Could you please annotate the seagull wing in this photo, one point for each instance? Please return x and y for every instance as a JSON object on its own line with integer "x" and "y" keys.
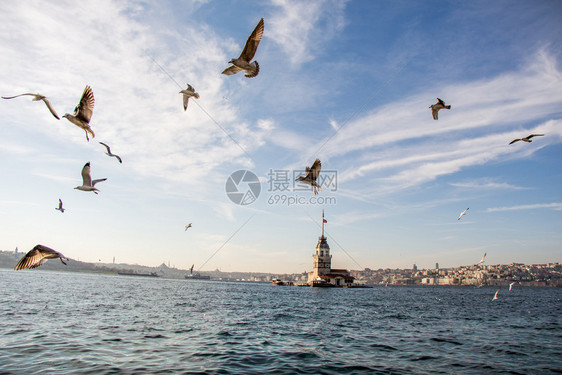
{"x": 441, "y": 102}
{"x": 185, "y": 101}
{"x": 11, "y": 97}
{"x": 85, "y": 108}
{"x": 315, "y": 169}
{"x": 515, "y": 140}
{"x": 434, "y": 112}
{"x": 232, "y": 70}
{"x": 86, "y": 178}
{"x": 118, "y": 158}
{"x": 534, "y": 135}
{"x": 51, "y": 109}
{"x": 36, "y": 257}
{"x": 106, "y": 147}
{"x": 98, "y": 180}
{"x": 253, "y": 42}
{"x": 482, "y": 260}
{"x": 60, "y": 204}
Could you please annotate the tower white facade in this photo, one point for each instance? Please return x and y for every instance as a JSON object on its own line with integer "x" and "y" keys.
{"x": 322, "y": 258}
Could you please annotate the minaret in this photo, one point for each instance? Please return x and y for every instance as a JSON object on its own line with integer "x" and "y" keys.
{"x": 322, "y": 257}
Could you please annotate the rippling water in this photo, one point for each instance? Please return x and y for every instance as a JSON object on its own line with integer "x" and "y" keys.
{"x": 60, "y": 323}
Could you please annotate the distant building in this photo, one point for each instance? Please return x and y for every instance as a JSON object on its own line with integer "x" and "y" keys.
{"x": 436, "y": 266}
{"x": 322, "y": 272}
{"x": 414, "y": 268}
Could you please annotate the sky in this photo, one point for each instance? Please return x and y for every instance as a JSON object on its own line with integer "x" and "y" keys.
{"x": 348, "y": 82}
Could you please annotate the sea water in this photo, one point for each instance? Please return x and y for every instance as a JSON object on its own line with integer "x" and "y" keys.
{"x": 64, "y": 323}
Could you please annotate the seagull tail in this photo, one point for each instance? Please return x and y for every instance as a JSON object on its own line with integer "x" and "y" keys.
{"x": 255, "y": 70}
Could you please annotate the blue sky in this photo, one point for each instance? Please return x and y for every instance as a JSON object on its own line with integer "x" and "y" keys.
{"x": 347, "y": 82}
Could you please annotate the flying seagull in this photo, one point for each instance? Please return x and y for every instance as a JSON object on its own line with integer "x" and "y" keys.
{"x": 83, "y": 112}
{"x": 482, "y": 260}
{"x": 188, "y": 226}
{"x": 527, "y": 138}
{"x": 37, "y": 256}
{"x": 438, "y": 106}
{"x": 37, "y": 97}
{"x": 110, "y": 154}
{"x": 462, "y": 214}
{"x": 60, "y": 208}
{"x": 311, "y": 175}
{"x": 188, "y": 93}
{"x": 511, "y": 285}
{"x": 252, "y": 69}
{"x": 496, "y": 295}
{"x": 87, "y": 183}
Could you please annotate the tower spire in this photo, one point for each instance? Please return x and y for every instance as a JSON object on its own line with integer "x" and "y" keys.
{"x": 323, "y": 222}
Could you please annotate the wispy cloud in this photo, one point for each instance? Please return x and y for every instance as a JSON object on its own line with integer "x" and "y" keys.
{"x": 554, "y": 206}
{"x": 402, "y": 146}
{"x": 487, "y": 184}
{"x": 139, "y": 110}
{"x": 301, "y": 27}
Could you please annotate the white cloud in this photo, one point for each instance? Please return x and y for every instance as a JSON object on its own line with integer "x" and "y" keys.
{"x": 402, "y": 146}
{"x": 138, "y": 110}
{"x": 487, "y": 184}
{"x": 301, "y": 27}
{"x": 554, "y": 206}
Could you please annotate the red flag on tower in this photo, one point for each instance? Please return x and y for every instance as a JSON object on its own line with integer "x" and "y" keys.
{"x": 324, "y": 220}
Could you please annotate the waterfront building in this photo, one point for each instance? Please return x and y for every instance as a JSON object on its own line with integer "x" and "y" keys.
{"x": 322, "y": 272}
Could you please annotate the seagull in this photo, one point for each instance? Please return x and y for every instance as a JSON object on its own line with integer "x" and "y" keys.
{"x": 37, "y": 256}
{"x": 37, "y": 97}
{"x": 437, "y": 106}
{"x": 188, "y": 93}
{"x": 311, "y": 175}
{"x": 462, "y": 214}
{"x": 60, "y": 208}
{"x": 87, "y": 183}
{"x": 188, "y": 226}
{"x": 527, "y": 138}
{"x": 511, "y": 285}
{"x": 482, "y": 260}
{"x": 496, "y": 295}
{"x": 83, "y": 112}
{"x": 252, "y": 69}
{"x": 110, "y": 154}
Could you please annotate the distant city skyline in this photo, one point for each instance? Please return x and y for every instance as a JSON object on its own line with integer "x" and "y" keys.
{"x": 349, "y": 83}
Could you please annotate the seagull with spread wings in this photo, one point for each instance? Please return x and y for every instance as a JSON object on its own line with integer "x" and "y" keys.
{"x": 462, "y": 214}
{"x": 110, "y": 154}
{"x": 188, "y": 226}
{"x": 435, "y": 108}
{"x": 526, "y": 139}
{"x": 511, "y": 285}
{"x": 189, "y": 92}
{"x": 60, "y": 208}
{"x": 37, "y": 97}
{"x": 496, "y": 295}
{"x": 243, "y": 62}
{"x": 87, "y": 183}
{"x": 83, "y": 112}
{"x": 482, "y": 260}
{"x": 37, "y": 256}
{"x": 311, "y": 175}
